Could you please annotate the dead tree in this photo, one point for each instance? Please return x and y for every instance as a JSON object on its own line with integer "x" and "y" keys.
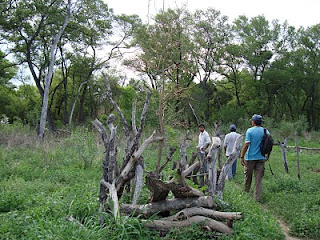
{"x": 194, "y": 206}
{"x": 212, "y": 159}
{"x": 224, "y": 172}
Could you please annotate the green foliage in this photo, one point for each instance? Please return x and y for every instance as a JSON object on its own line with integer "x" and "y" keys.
{"x": 125, "y": 102}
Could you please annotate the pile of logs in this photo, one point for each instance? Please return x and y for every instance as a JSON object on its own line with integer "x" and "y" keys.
{"x": 189, "y": 205}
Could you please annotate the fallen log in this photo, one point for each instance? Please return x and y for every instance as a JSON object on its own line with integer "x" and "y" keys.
{"x": 165, "y": 225}
{"x": 150, "y": 209}
{"x": 190, "y": 212}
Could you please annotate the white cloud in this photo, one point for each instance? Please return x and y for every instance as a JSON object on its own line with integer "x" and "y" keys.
{"x": 297, "y": 13}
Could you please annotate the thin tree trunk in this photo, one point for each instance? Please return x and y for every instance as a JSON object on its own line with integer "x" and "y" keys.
{"x": 49, "y": 75}
{"x": 74, "y": 103}
{"x": 82, "y": 99}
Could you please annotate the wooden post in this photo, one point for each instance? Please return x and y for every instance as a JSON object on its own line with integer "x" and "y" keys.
{"x": 202, "y": 164}
{"x": 283, "y": 146}
{"x": 212, "y": 159}
{"x": 226, "y": 167}
{"x": 298, "y": 155}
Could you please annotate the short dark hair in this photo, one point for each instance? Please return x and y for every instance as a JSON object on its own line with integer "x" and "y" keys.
{"x": 258, "y": 122}
{"x": 201, "y": 125}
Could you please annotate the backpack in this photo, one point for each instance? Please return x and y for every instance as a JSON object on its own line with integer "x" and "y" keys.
{"x": 266, "y": 144}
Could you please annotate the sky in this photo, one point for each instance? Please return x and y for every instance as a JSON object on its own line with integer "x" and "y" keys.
{"x": 296, "y": 12}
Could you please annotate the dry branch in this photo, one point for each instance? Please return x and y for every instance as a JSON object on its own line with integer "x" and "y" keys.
{"x": 135, "y": 156}
{"x": 134, "y": 144}
{"x": 190, "y": 212}
{"x": 114, "y": 196}
{"x": 199, "y": 220}
{"x": 169, "y": 157}
{"x": 101, "y": 129}
{"x": 150, "y": 209}
{"x": 115, "y": 105}
{"x": 133, "y": 116}
{"x": 189, "y": 170}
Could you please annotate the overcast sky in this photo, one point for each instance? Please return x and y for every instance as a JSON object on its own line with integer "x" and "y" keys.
{"x": 296, "y": 12}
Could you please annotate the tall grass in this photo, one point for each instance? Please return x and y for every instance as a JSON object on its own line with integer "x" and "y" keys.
{"x": 40, "y": 185}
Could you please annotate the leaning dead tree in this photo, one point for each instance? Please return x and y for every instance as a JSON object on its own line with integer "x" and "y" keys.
{"x": 188, "y": 205}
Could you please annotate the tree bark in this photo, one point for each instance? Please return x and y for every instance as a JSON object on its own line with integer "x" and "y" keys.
{"x": 166, "y": 205}
{"x": 233, "y": 157}
{"x": 49, "y": 75}
{"x": 199, "y": 220}
{"x": 139, "y": 184}
{"x": 190, "y": 212}
{"x": 212, "y": 159}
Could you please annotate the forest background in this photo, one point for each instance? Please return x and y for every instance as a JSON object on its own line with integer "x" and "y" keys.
{"x": 225, "y": 71}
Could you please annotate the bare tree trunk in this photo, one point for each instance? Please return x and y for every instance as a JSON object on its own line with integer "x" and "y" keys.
{"x": 194, "y": 211}
{"x": 224, "y": 172}
{"x": 139, "y": 183}
{"x": 212, "y": 159}
{"x": 74, "y": 103}
{"x": 166, "y": 205}
{"x": 199, "y": 220}
{"x": 49, "y": 75}
{"x": 82, "y": 99}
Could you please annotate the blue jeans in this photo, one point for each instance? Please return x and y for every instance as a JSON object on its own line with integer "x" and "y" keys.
{"x": 233, "y": 169}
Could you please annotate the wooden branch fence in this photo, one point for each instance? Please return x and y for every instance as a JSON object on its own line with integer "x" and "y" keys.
{"x": 283, "y": 145}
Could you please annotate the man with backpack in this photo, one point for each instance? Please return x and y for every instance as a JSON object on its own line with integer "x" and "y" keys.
{"x": 251, "y": 157}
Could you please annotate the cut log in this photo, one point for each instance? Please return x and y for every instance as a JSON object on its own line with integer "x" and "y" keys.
{"x": 190, "y": 212}
{"x": 150, "y": 209}
{"x": 165, "y": 225}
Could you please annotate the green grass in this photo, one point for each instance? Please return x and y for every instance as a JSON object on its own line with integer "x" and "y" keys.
{"x": 296, "y": 202}
{"x": 40, "y": 185}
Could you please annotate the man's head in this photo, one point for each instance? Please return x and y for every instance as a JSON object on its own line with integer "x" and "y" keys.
{"x": 201, "y": 127}
{"x": 257, "y": 119}
{"x": 232, "y": 128}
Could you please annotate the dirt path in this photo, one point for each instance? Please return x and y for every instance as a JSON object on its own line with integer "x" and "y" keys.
{"x": 286, "y": 230}
{"x": 284, "y": 227}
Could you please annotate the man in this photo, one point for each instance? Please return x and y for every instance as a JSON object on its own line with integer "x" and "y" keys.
{"x": 204, "y": 139}
{"x": 203, "y": 144}
{"x": 229, "y": 141}
{"x": 251, "y": 157}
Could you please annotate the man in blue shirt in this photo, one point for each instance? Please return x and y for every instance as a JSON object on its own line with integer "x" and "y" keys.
{"x": 251, "y": 157}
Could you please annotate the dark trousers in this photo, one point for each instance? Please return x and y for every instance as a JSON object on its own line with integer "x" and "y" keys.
{"x": 256, "y": 167}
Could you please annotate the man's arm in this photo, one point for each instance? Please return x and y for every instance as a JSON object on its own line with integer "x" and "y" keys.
{"x": 243, "y": 152}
